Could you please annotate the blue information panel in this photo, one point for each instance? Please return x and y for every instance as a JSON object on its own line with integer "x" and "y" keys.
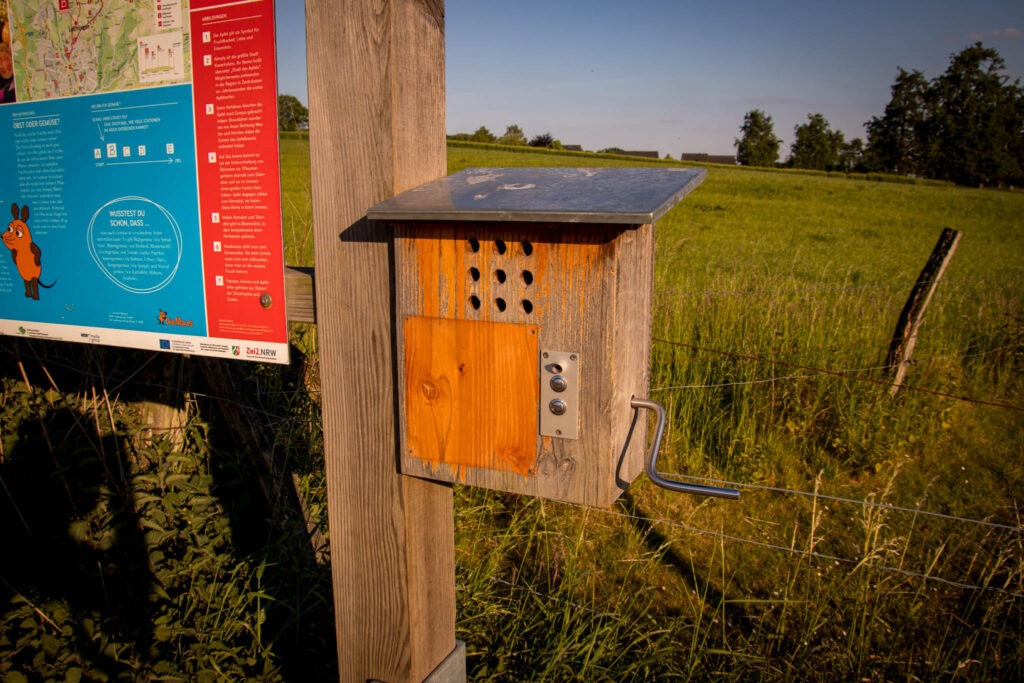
{"x": 107, "y": 189}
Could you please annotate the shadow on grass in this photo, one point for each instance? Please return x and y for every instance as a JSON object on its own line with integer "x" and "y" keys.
{"x": 127, "y": 557}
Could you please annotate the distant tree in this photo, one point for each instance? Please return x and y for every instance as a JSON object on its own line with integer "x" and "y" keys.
{"x": 896, "y": 140}
{"x": 555, "y": 144}
{"x": 758, "y": 146}
{"x": 483, "y": 135}
{"x": 291, "y": 114}
{"x": 976, "y": 121}
{"x": 611, "y": 150}
{"x": 815, "y": 145}
{"x": 542, "y": 140}
{"x": 851, "y": 156}
{"x": 668, "y": 157}
{"x": 967, "y": 125}
{"x": 513, "y": 136}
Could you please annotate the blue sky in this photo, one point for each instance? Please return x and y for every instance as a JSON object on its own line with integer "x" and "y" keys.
{"x": 678, "y": 76}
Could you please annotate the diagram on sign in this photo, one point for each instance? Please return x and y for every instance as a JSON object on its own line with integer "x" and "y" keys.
{"x": 161, "y": 57}
{"x": 135, "y": 134}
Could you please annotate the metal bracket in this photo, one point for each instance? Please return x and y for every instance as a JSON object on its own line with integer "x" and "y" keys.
{"x": 652, "y": 460}
{"x": 560, "y": 394}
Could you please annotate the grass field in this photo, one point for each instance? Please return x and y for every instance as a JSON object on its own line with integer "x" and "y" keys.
{"x": 809, "y": 270}
{"x": 803, "y": 271}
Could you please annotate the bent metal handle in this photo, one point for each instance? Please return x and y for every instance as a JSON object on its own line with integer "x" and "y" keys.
{"x": 652, "y": 459}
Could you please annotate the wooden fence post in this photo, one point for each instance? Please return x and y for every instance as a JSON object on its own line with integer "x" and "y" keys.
{"x": 376, "y": 102}
{"x": 904, "y": 338}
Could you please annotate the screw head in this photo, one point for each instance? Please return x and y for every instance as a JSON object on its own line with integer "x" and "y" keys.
{"x": 265, "y": 300}
{"x": 559, "y": 383}
{"x": 557, "y": 406}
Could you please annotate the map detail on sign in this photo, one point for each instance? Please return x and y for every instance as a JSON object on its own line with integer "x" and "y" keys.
{"x": 84, "y": 47}
{"x": 142, "y": 176}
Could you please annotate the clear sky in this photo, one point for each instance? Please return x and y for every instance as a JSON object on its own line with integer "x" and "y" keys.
{"x": 678, "y": 76}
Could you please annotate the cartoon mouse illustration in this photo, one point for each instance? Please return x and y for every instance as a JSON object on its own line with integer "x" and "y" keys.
{"x": 28, "y": 257}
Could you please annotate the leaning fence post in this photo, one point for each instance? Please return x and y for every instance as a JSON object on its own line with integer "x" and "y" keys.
{"x": 904, "y": 338}
{"x": 376, "y": 102}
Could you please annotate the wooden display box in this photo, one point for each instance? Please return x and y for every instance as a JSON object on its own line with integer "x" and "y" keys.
{"x": 516, "y": 289}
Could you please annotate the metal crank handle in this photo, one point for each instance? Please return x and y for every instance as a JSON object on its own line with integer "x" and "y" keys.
{"x": 652, "y": 460}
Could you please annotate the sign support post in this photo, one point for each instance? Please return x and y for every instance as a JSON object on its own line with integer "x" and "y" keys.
{"x": 376, "y": 100}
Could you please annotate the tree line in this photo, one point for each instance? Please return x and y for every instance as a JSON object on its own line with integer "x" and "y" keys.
{"x": 513, "y": 136}
{"x": 966, "y": 125}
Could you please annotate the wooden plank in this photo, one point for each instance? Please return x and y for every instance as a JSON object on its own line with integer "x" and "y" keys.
{"x": 631, "y": 354}
{"x": 904, "y": 337}
{"x": 471, "y": 391}
{"x": 299, "y": 294}
{"x": 376, "y": 100}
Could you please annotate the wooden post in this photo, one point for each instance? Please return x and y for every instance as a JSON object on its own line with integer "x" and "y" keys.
{"x": 904, "y": 338}
{"x": 376, "y": 102}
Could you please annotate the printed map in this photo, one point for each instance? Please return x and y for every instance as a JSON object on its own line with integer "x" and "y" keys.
{"x": 82, "y": 47}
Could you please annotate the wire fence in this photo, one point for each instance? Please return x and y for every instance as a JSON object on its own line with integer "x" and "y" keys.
{"x": 757, "y": 356}
{"x": 766, "y": 380}
{"x": 864, "y": 343}
{"x": 856, "y": 563}
{"x": 841, "y": 499}
{"x": 842, "y": 373}
{"x": 833, "y": 288}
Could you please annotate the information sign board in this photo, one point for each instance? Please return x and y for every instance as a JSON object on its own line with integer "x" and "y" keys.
{"x": 139, "y": 159}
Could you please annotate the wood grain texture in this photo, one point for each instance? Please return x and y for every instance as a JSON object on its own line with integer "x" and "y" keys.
{"x": 587, "y": 290}
{"x": 471, "y": 394}
{"x": 376, "y": 102}
{"x": 904, "y": 337}
{"x": 631, "y": 354}
{"x": 299, "y": 294}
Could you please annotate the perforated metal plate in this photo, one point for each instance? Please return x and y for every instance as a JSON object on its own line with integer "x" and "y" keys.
{"x": 560, "y": 394}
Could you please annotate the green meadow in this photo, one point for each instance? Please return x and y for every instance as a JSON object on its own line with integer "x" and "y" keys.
{"x": 876, "y": 538}
{"x": 809, "y": 271}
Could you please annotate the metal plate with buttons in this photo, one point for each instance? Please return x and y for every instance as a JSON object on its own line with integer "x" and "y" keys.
{"x": 560, "y": 394}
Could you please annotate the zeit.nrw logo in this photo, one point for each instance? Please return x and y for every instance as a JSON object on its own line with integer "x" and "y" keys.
{"x": 165, "y": 319}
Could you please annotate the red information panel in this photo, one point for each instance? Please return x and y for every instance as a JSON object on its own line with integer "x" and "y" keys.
{"x": 234, "y": 95}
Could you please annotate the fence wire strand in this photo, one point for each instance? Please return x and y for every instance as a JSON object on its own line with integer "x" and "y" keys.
{"x": 830, "y": 288}
{"x": 863, "y": 562}
{"x": 839, "y": 373}
{"x": 766, "y": 380}
{"x": 852, "y": 501}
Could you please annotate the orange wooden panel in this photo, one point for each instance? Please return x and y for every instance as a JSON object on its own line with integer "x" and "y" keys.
{"x": 471, "y": 392}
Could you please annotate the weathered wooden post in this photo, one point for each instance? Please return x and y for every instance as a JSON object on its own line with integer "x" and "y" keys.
{"x": 376, "y": 96}
{"x": 904, "y": 337}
